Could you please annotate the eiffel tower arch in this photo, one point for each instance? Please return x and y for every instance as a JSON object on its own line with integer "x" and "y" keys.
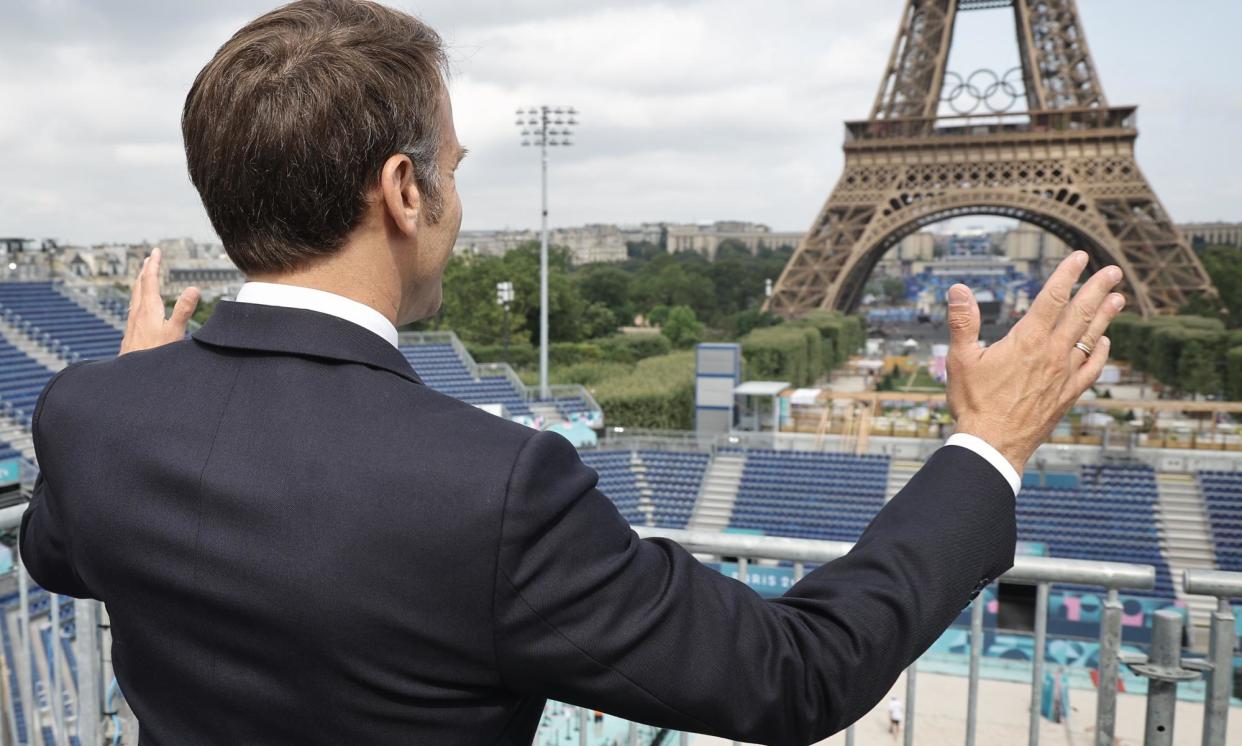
{"x": 1039, "y": 144}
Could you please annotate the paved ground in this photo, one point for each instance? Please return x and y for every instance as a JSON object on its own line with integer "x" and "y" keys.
{"x": 940, "y": 718}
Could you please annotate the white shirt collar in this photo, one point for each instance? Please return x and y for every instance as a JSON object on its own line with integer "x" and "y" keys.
{"x": 311, "y": 299}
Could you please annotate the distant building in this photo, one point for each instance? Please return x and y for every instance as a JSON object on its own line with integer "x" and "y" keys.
{"x": 706, "y": 239}
{"x": 591, "y": 244}
{"x": 1204, "y": 234}
{"x": 972, "y": 242}
{"x": 916, "y": 247}
{"x": 26, "y": 259}
{"x": 1035, "y": 251}
{"x": 587, "y": 244}
{"x": 652, "y": 233}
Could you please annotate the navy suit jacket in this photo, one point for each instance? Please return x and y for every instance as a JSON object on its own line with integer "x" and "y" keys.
{"x": 300, "y": 543}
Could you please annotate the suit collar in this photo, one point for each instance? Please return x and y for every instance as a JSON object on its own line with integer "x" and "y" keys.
{"x": 296, "y": 331}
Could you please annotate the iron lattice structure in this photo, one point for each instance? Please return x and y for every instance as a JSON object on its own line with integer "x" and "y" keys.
{"x": 1066, "y": 163}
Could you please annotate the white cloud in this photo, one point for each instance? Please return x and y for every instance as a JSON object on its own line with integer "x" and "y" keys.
{"x": 694, "y": 109}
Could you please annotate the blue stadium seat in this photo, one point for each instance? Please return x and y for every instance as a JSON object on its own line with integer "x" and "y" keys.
{"x": 444, "y": 370}
{"x": 810, "y": 495}
{"x": 40, "y": 311}
{"x": 1222, "y": 496}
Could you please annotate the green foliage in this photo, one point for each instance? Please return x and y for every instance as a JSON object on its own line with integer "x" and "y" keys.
{"x": 1233, "y": 374}
{"x": 571, "y": 353}
{"x": 520, "y": 356}
{"x": 1198, "y": 371}
{"x": 682, "y": 327}
{"x": 630, "y": 348}
{"x": 470, "y": 307}
{"x": 1224, "y": 266}
{"x": 1124, "y": 333}
{"x": 791, "y": 352}
{"x": 1186, "y": 353}
{"x": 843, "y": 335}
{"x": 744, "y": 321}
{"x": 608, "y": 286}
{"x": 618, "y": 348}
{"x": 657, "y": 393}
{"x": 589, "y": 374}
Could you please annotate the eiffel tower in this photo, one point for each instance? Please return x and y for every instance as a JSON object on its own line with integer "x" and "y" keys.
{"x": 1040, "y": 144}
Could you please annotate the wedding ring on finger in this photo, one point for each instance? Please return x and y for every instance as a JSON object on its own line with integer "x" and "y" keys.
{"x": 1084, "y": 347}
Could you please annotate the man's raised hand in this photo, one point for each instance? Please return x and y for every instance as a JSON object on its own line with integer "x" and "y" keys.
{"x": 146, "y": 326}
{"x": 1013, "y": 393}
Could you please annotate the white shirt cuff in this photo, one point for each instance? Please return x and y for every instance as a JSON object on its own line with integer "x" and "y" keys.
{"x": 991, "y": 455}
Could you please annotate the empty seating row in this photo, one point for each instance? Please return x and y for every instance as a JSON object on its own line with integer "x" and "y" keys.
{"x": 1222, "y": 497}
{"x": 1110, "y": 517}
{"x": 22, "y": 378}
{"x": 441, "y": 368}
{"x": 810, "y": 495}
{"x": 40, "y": 311}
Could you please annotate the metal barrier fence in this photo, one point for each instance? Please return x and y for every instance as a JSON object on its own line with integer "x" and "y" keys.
{"x": 1042, "y": 572}
{"x": 93, "y": 669}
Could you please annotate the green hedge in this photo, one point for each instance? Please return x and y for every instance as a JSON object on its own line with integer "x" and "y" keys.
{"x": 1233, "y": 374}
{"x": 620, "y": 348}
{"x": 791, "y": 352}
{"x": 630, "y": 348}
{"x": 520, "y": 356}
{"x": 658, "y": 393}
{"x": 1187, "y": 353}
{"x": 801, "y": 351}
{"x": 843, "y": 335}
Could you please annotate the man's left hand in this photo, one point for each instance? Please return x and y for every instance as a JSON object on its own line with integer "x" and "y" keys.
{"x": 146, "y": 326}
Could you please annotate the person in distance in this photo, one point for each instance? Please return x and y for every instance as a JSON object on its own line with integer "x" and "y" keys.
{"x": 299, "y": 542}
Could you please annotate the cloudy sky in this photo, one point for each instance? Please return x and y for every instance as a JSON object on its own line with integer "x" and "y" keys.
{"x": 690, "y": 111}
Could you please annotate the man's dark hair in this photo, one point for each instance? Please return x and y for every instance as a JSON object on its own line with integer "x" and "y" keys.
{"x": 288, "y": 126}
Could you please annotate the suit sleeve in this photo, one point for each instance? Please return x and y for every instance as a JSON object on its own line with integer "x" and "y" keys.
{"x": 46, "y": 536}
{"x": 587, "y": 613}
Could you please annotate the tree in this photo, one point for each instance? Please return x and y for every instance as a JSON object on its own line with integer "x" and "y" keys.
{"x": 658, "y": 316}
{"x": 470, "y": 307}
{"x": 609, "y": 287}
{"x": 1197, "y": 370}
{"x": 731, "y": 247}
{"x": 680, "y": 280}
{"x": 752, "y": 318}
{"x": 682, "y": 327}
{"x": 643, "y": 250}
{"x": 894, "y": 289}
{"x": 1224, "y": 266}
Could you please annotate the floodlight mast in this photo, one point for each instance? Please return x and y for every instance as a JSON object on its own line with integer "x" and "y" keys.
{"x": 545, "y": 125}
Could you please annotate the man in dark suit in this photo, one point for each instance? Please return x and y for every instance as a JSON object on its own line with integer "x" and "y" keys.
{"x": 299, "y": 542}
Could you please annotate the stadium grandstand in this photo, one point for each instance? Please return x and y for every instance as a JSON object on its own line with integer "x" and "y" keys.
{"x": 1111, "y": 541}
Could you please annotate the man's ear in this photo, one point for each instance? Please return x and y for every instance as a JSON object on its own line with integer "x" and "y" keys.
{"x": 399, "y": 190}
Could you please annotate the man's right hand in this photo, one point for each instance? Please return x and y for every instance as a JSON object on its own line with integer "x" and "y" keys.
{"x": 1013, "y": 393}
{"x": 145, "y": 325}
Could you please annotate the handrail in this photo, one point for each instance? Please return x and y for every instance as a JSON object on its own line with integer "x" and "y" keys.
{"x": 1026, "y": 569}
{"x": 1212, "y": 583}
{"x": 1223, "y": 639}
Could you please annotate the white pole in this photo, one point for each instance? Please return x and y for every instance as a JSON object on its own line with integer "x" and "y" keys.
{"x": 543, "y": 263}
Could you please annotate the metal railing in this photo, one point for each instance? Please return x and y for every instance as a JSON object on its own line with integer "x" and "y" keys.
{"x": 1223, "y": 641}
{"x": 1042, "y": 572}
{"x": 1053, "y": 121}
{"x": 93, "y": 669}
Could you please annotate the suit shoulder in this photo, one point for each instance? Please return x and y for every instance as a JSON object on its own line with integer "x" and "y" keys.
{"x": 98, "y": 382}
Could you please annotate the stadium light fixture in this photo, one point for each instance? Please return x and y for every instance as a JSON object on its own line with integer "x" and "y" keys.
{"x": 543, "y": 126}
{"x": 504, "y": 297}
